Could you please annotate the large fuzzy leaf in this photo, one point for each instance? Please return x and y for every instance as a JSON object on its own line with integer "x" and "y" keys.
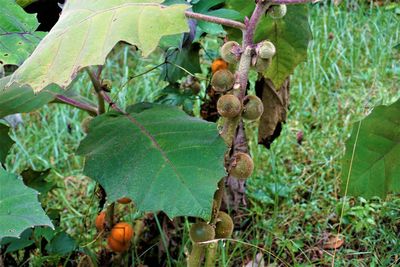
{"x": 19, "y": 206}
{"x": 18, "y": 38}
{"x": 371, "y": 165}
{"x": 5, "y": 142}
{"x": 158, "y": 156}
{"x": 88, "y": 30}
{"x": 290, "y": 35}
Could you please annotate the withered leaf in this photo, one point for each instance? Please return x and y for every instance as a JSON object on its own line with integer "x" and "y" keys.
{"x": 276, "y": 103}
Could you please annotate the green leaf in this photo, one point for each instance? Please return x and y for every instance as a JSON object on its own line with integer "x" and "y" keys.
{"x": 158, "y": 156}
{"x": 290, "y": 35}
{"x": 19, "y": 99}
{"x": 18, "y": 38}
{"x": 19, "y": 207}
{"x": 37, "y": 180}
{"x": 61, "y": 244}
{"x": 186, "y": 58}
{"x": 25, "y": 3}
{"x": 374, "y": 169}
{"x": 5, "y": 142}
{"x": 88, "y": 30}
{"x": 14, "y": 244}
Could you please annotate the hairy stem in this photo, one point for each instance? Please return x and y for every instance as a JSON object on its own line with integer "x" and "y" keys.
{"x": 194, "y": 259}
{"x": 92, "y": 110}
{"x": 211, "y": 254}
{"x": 217, "y": 20}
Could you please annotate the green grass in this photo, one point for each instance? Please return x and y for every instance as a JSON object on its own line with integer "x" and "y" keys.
{"x": 294, "y": 194}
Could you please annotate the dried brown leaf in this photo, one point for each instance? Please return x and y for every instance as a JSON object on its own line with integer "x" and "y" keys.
{"x": 276, "y": 103}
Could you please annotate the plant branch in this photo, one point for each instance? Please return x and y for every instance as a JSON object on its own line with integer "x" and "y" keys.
{"x": 288, "y": 2}
{"x": 217, "y": 20}
{"x": 75, "y": 103}
{"x": 98, "y": 88}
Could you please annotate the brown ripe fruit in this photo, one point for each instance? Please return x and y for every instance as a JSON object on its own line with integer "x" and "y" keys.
{"x": 116, "y": 246}
{"x": 100, "y": 219}
{"x": 253, "y": 107}
{"x": 224, "y": 225}
{"x": 229, "y": 106}
{"x": 242, "y": 166}
{"x": 218, "y": 64}
{"x": 124, "y": 200}
{"x": 201, "y": 232}
{"x": 222, "y": 80}
{"x": 227, "y": 54}
{"x": 122, "y": 232}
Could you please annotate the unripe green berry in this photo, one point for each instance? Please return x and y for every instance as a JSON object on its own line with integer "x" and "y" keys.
{"x": 201, "y": 232}
{"x": 229, "y": 106}
{"x": 223, "y": 80}
{"x": 262, "y": 64}
{"x": 277, "y": 11}
{"x": 227, "y": 54}
{"x": 85, "y": 124}
{"x": 266, "y": 50}
{"x": 242, "y": 166}
{"x": 253, "y": 107}
{"x": 224, "y": 225}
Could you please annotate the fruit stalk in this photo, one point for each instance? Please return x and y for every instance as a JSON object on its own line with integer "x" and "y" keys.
{"x": 194, "y": 259}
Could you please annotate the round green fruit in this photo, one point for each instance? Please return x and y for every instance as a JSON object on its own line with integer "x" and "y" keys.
{"x": 227, "y": 52}
{"x": 223, "y": 80}
{"x": 229, "y": 106}
{"x": 201, "y": 232}
{"x": 224, "y": 225}
{"x": 266, "y": 50}
{"x": 253, "y": 107}
{"x": 242, "y": 166}
{"x": 277, "y": 11}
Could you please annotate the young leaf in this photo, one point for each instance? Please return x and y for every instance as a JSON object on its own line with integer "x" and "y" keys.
{"x": 157, "y": 156}
{"x": 18, "y": 38}
{"x": 88, "y": 30}
{"x": 19, "y": 207}
{"x": 5, "y": 142}
{"x": 371, "y": 164}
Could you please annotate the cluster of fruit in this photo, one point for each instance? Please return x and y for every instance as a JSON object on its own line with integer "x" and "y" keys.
{"x": 120, "y": 236}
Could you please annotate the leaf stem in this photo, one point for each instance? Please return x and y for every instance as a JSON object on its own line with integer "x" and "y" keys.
{"x": 217, "y": 20}
{"x": 92, "y": 110}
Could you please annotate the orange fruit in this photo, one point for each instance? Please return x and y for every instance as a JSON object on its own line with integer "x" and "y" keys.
{"x": 100, "y": 219}
{"x": 124, "y": 200}
{"x": 122, "y": 232}
{"x": 116, "y": 246}
{"x": 218, "y": 64}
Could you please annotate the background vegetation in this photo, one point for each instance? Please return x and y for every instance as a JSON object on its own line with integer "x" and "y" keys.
{"x": 294, "y": 207}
